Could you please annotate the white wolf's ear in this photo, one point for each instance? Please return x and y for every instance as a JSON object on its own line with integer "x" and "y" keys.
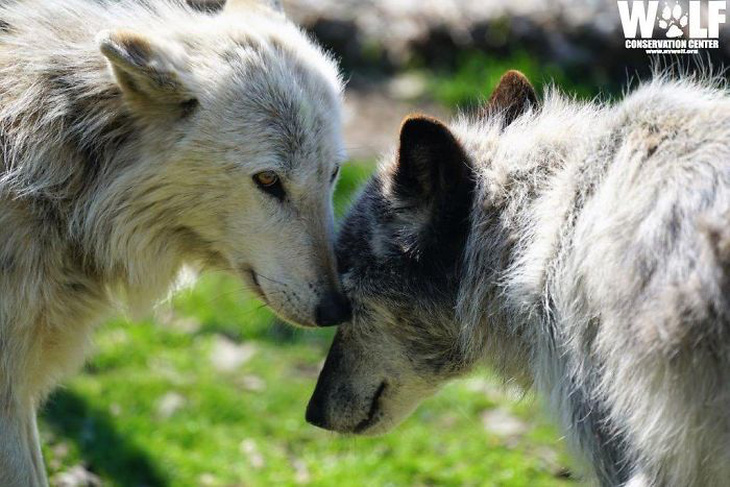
{"x": 150, "y": 73}
{"x": 431, "y": 162}
{"x": 513, "y": 96}
{"x": 275, "y": 5}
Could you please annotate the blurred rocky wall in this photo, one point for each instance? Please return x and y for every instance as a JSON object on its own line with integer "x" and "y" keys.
{"x": 387, "y": 35}
{"x": 384, "y": 36}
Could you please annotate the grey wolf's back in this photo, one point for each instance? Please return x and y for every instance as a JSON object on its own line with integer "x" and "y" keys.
{"x": 643, "y": 251}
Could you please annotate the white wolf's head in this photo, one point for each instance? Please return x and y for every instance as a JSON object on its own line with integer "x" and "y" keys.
{"x": 242, "y": 146}
{"x": 401, "y": 255}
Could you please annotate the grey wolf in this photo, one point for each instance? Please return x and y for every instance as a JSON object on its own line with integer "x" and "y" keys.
{"x": 579, "y": 248}
{"x": 138, "y": 138}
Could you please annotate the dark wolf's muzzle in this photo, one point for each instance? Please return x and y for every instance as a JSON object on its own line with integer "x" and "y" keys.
{"x": 347, "y": 397}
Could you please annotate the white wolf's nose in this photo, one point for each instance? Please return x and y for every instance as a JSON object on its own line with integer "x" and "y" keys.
{"x": 334, "y": 309}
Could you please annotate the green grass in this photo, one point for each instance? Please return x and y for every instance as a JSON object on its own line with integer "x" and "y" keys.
{"x": 476, "y": 74}
{"x": 152, "y": 409}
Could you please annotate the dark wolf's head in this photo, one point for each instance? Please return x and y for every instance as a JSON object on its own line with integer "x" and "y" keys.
{"x": 400, "y": 254}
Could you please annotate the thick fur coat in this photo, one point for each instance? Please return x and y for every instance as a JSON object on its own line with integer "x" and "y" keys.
{"x": 136, "y": 138}
{"x": 580, "y": 248}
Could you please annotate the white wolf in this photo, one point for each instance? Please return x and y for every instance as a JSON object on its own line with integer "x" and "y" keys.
{"x": 137, "y": 137}
{"x": 581, "y": 248}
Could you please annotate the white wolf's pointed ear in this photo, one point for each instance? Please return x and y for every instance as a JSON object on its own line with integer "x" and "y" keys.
{"x": 513, "y": 96}
{"x": 431, "y": 162}
{"x": 233, "y": 5}
{"x": 150, "y": 73}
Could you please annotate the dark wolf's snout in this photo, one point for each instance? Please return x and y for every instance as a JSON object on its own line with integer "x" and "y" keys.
{"x": 316, "y": 413}
{"x": 319, "y": 404}
{"x": 334, "y": 309}
{"x": 331, "y": 392}
{"x": 348, "y": 392}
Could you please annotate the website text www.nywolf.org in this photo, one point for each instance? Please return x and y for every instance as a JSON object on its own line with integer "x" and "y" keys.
{"x": 672, "y": 46}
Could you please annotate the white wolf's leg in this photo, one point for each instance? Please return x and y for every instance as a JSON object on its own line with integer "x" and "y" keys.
{"x": 21, "y": 461}
{"x": 35, "y": 445}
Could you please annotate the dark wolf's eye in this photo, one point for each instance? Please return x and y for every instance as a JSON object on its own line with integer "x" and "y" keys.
{"x": 334, "y": 174}
{"x": 269, "y": 182}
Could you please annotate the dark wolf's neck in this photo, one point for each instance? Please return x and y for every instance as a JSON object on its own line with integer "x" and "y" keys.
{"x": 516, "y": 226}
{"x": 522, "y": 234}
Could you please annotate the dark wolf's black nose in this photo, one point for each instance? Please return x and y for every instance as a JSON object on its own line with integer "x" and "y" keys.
{"x": 315, "y": 413}
{"x": 334, "y": 309}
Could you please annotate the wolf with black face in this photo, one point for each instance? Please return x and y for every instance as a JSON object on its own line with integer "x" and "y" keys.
{"x": 400, "y": 255}
{"x": 580, "y": 248}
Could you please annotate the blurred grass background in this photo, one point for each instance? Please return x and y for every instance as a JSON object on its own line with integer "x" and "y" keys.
{"x": 212, "y": 390}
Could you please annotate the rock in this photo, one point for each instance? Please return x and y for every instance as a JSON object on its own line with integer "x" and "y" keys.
{"x": 115, "y": 409}
{"x": 227, "y": 355}
{"x": 77, "y": 476}
{"x": 253, "y": 383}
{"x": 301, "y": 472}
{"x": 253, "y": 455}
{"x": 207, "y": 480}
{"x": 503, "y": 424}
{"x": 183, "y": 324}
{"x": 169, "y": 404}
{"x": 409, "y": 86}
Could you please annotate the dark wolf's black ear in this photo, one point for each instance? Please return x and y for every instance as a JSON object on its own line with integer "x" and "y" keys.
{"x": 431, "y": 162}
{"x": 434, "y": 179}
{"x": 513, "y": 96}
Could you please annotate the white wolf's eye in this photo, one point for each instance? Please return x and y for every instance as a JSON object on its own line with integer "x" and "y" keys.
{"x": 334, "y": 174}
{"x": 269, "y": 182}
{"x": 266, "y": 178}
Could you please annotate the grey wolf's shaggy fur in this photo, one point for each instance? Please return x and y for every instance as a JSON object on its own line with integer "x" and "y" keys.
{"x": 591, "y": 263}
{"x": 131, "y": 134}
